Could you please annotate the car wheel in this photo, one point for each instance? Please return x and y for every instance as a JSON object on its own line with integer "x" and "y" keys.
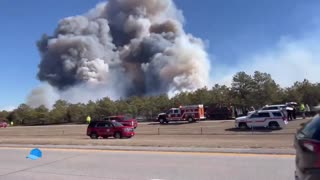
{"x": 94, "y": 136}
{"x": 274, "y": 125}
{"x": 162, "y": 121}
{"x": 243, "y": 126}
{"x": 117, "y": 135}
{"x": 190, "y": 120}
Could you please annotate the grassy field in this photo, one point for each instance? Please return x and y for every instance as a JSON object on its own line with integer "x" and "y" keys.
{"x": 217, "y": 134}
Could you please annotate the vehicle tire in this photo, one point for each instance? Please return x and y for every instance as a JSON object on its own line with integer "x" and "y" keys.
{"x": 117, "y": 135}
{"x": 162, "y": 121}
{"x": 243, "y": 126}
{"x": 190, "y": 120}
{"x": 93, "y": 136}
{"x": 274, "y": 125}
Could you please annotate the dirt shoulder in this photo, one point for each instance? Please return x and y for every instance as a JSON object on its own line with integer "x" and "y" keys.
{"x": 208, "y": 141}
{"x": 204, "y": 134}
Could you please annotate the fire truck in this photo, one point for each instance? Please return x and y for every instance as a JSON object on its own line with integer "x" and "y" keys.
{"x": 189, "y": 113}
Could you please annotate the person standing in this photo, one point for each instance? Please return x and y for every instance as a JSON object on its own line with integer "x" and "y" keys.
{"x": 294, "y": 112}
{"x": 308, "y": 110}
{"x": 88, "y": 119}
{"x": 303, "y": 110}
{"x": 289, "y": 112}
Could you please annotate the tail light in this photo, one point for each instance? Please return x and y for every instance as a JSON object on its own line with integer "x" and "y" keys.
{"x": 315, "y": 148}
{"x": 312, "y": 146}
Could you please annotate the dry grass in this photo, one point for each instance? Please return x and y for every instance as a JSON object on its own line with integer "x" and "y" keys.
{"x": 214, "y": 134}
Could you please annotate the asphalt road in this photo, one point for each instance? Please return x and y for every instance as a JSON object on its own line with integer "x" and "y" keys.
{"x": 65, "y": 164}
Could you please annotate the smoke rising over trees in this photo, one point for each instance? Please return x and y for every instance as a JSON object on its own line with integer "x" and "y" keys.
{"x": 123, "y": 48}
{"x": 247, "y": 90}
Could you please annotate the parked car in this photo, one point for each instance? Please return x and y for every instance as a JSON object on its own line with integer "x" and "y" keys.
{"x": 280, "y": 107}
{"x": 107, "y": 129}
{"x": 273, "y": 119}
{"x": 307, "y": 145}
{"x": 3, "y": 124}
{"x": 124, "y": 120}
{"x": 274, "y": 107}
{"x": 215, "y": 112}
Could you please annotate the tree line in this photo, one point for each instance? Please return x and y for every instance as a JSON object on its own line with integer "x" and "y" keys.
{"x": 246, "y": 90}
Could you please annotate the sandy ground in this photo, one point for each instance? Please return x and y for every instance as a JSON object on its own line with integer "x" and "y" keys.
{"x": 215, "y": 134}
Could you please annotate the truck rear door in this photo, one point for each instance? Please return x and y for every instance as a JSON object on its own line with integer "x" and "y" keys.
{"x": 201, "y": 113}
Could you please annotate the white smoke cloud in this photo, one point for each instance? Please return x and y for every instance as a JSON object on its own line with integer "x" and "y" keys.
{"x": 43, "y": 95}
{"x": 290, "y": 60}
{"x": 7, "y": 108}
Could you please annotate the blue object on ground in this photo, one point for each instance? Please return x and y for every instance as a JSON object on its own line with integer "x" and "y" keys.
{"x": 35, "y": 154}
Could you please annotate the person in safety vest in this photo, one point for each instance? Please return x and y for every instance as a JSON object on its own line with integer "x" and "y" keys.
{"x": 88, "y": 119}
{"x": 303, "y": 110}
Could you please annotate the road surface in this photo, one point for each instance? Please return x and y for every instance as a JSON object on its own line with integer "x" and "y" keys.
{"x": 66, "y": 164}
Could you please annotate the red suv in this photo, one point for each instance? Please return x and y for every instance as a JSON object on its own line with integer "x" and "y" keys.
{"x": 124, "y": 120}
{"x": 3, "y": 124}
{"x": 107, "y": 129}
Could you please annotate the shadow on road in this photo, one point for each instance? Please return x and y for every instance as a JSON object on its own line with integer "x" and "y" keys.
{"x": 172, "y": 123}
{"x": 257, "y": 129}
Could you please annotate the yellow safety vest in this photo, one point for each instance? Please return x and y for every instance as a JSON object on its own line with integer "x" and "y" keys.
{"x": 88, "y": 119}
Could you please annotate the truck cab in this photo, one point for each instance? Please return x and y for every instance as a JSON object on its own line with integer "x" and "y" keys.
{"x": 174, "y": 113}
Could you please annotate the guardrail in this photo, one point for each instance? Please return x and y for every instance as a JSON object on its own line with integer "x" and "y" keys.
{"x": 154, "y": 131}
{"x": 215, "y": 131}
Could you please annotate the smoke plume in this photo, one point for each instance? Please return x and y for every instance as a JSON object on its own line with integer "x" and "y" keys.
{"x": 123, "y": 48}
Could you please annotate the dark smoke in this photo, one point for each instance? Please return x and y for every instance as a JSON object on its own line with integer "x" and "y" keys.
{"x": 131, "y": 47}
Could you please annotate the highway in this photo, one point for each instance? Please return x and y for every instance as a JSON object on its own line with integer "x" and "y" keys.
{"x": 68, "y": 164}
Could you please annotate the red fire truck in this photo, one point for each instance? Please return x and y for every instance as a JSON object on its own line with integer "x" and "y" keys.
{"x": 190, "y": 113}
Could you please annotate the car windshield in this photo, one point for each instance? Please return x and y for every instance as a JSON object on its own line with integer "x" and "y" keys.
{"x": 126, "y": 118}
{"x": 117, "y": 124}
{"x": 120, "y": 118}
{"x": 311, "y": 128}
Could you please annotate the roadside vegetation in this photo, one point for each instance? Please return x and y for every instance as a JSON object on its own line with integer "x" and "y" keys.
{"x": 245, "y": 91}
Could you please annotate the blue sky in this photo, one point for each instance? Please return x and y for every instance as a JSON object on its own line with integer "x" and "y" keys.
{"x": 237, "y": 34}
